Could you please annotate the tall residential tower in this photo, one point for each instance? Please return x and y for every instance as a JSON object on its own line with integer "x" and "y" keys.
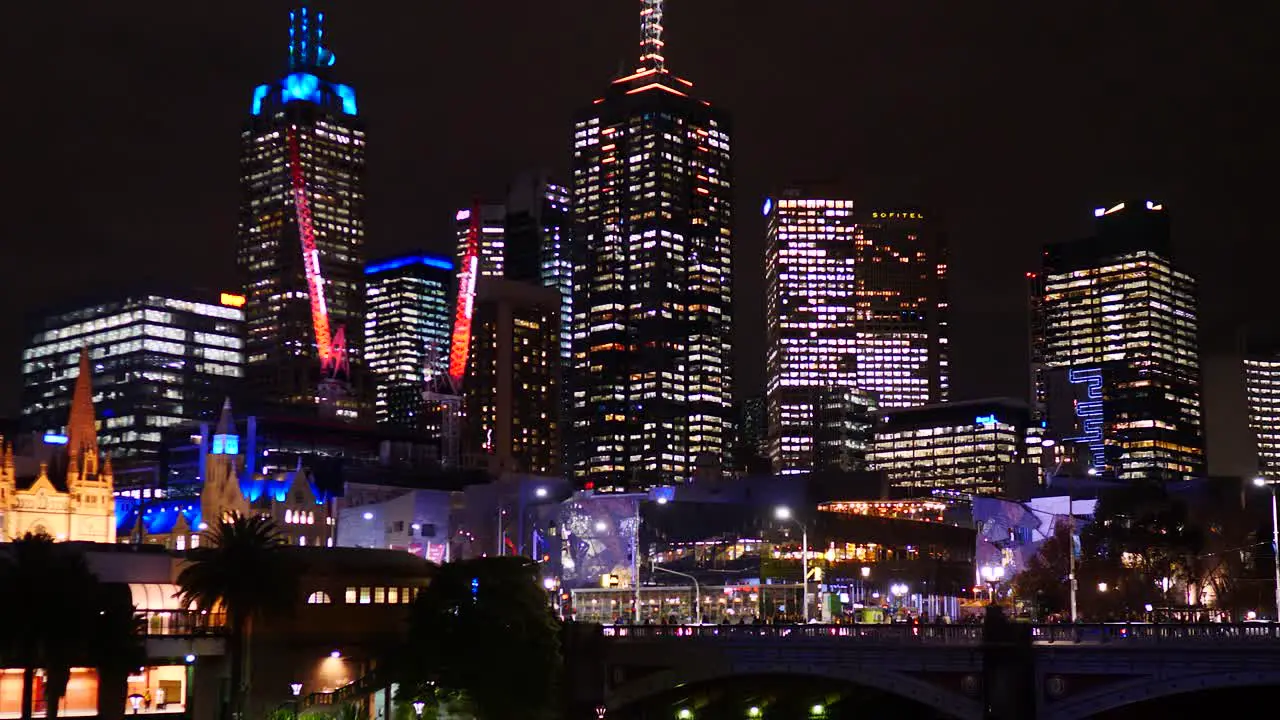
{"x": 301, "y": 234}
{"x": 652, "y": 216}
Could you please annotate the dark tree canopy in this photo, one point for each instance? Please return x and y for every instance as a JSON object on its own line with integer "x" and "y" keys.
{"x": 483, "y": 633}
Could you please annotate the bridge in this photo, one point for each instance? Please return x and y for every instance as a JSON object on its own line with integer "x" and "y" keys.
{"x": 1073, "y": 671}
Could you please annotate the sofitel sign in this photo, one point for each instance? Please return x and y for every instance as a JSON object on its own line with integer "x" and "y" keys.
{"x": 897, "y": 216}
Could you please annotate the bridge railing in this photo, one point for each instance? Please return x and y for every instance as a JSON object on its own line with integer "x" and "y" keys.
{"x": 872, "y": 633}
{"x": 1136, "y": 633}
{"x": 183, "y": 623}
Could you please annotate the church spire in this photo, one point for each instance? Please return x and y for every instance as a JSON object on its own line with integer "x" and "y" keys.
{"x": 82, "y": 430}
{"x": 226, "y": 423}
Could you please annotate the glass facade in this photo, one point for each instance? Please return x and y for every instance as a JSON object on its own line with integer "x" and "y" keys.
{"x": 964, "y": 447}
{"x": 157, "y": 362}
{"x": 652, "y": 283}
{"x": 1121, "y": 321}
{"x": 301, "y": 234}
{"x": 408, "y": 321}
{"x": 855, "y": 315}
{"x": 493, "y": 238}
{"x": 1262, "y": 390}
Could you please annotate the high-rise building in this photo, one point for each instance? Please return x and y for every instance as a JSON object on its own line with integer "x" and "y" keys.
{"x": 512, "y": 386}
{"x": 408, "y": 320}
{"x": 1120, "y": 348}
{"x": 652, "y": 302}
{"x": 156, "y": 361}
{"x": 537, "y": 242}
{"x": 971, "y": 447}
{"x": 856, "y": 303}
{"x": 301, "y": 234}
{"x": 492, "y": 241}
{"x": 1262, "y": 392}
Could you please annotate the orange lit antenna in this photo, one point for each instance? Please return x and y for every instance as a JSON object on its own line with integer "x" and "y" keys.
{"x": 651, "y": 36}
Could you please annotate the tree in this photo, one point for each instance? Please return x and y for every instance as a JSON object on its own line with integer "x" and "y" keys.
{"x": 1046, "y": 579}
{"x": 116, "y": 648}
{"x": 483, "y": 633}
{"x": 242, "y": 567}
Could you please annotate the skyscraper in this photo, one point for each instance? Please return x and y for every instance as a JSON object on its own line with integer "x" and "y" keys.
{"x": 856, "y": 304}
{"x": 156, "y": 360}
{"x": 537, "y": 241}
{"x": 1120, "y": 348}
{"x": 492, "y": 239}
{"x": 512, "y": 387}
{"x": 301, "y": 234}
{"x": 407, "y": 324}
{"x": 652, "y": 302}
{"x": 1262, "y": 392}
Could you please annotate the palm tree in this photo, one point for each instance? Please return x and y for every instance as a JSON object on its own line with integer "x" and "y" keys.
{"x": 51, "y": 587}
{"x": 240, "y": 566}
{"x": 115, "y": 648}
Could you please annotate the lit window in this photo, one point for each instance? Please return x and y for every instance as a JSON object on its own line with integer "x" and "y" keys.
{"x": 321, "y": 597}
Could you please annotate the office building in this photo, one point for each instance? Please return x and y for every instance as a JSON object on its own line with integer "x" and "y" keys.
{"x": 408, "y": 321}
{"x": 301, "y": 235}
{"x": 156, "y": 360}
{"x": 1120, "y": 349}
{"x": 537, "y": 242}
{"x": 855, "y": 304}
{"x": 1262, "y": 393}
{"x": 652, "y": 301}
{"x": 492, "y": 242}
{"x": 512, "y": 387}
{"x": 974, "y": 447}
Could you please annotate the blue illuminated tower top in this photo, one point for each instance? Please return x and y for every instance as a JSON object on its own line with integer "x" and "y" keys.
{"x": 309, "y": 61}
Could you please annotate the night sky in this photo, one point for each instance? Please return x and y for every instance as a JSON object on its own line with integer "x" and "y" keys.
{"x": 1011, "y": 120}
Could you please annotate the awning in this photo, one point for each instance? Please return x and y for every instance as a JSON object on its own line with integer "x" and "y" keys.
{"x": 155, "y": 596}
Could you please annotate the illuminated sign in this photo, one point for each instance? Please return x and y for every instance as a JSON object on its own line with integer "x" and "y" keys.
{"x": 231, "y": 299}
{"x": 897, "y": 216}
{"x": 1090, "y": 413}
{"x": 986, "y": 420}
{"x": 55, "y": 439}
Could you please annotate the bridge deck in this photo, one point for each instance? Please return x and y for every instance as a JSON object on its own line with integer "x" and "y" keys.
{"x": 1126, "y": 633}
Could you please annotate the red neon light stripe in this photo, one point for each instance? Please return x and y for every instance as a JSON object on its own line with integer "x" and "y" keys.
{"x": 461, "y": 341}
{"x": 310, "y": 256}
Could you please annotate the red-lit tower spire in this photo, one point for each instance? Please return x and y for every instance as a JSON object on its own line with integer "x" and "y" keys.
{"x": 468, "y": 269}
{"x": 651, "y": 35}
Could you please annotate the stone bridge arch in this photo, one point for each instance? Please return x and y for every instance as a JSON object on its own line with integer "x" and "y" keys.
{"x": 898, "y": 684}
{"x": 1119, "y": 695}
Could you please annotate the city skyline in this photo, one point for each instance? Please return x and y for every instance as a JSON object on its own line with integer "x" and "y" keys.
{"x": 1009, "y": 166}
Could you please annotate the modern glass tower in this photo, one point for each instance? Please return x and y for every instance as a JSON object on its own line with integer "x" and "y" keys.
{"x": 652, "y": 303}
{"x": 856, "y": 309}
{"x": 408, "y": 319}
{"x": 492, "y": 242}
{"x": 301, "y": 234}
{"x": 157, "y": 361}
{"x": 1120, "y": 349}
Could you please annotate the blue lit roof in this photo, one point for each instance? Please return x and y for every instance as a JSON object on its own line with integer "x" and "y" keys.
{"x": 158, "y": 516}
{"x": 434, "y": 261}
{"x": 308, "y": 59}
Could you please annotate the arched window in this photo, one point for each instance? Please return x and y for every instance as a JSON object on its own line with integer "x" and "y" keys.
{"x": 319, "y": 597}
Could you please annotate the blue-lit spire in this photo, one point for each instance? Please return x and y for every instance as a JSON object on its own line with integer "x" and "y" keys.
{"x": 306, "y": 33}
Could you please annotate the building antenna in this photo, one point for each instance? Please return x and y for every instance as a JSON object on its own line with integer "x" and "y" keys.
{"x": 651, "y": 36}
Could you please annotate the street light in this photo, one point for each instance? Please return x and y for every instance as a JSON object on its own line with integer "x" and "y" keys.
{"x": 601, "y": 710}
{"x": 418, "y": 707}
{"x": 540, "y": 492}
{"x": 1275, "y": 537}
{"x": 992, "y": 574}
{"x": 697, "y": 591}
{"x": 784, "y": 513}
{"x": 297, "y": 690}
{"x": 1102, "y": 587}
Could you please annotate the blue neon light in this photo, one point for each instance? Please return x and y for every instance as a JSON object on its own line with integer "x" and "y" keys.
{"x": 768, "y": 206}
{"x": 347, "y": 93}
{"x": 259, "y": 94}
{"x": 300, "y": 86}
{"x": 55, "y": 439}
{"x": 1090, "y": 412}
{"x": 396, "y": 263}
{"x": 985, "y": 420}
{"x": 225, "y": 445}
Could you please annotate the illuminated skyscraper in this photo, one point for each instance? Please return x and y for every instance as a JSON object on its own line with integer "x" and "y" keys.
{"x": 301, "y": 234}
{"x": 157, "y": 361}
{"x": 408, "y": 319}
{"x": 1120, "y": 348}
{"x": 492, "y": 240}
{"x": 537, "y": 241}
{"x": 1262, "y": 390}
{"x": 652, "y": 208}
{"x": 855, "y": 317}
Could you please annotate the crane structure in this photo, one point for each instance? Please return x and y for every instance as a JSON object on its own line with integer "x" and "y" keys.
{"x": 331, "y": 347}
{"x": 468, "y": 269}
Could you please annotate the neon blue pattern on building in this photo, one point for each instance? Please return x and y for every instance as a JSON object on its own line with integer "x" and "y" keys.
{"x": 1090, "y": 412}
{"x": 434, "y": 261}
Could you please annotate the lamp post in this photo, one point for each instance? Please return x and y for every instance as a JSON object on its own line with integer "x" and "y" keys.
{"x": 784, "y": 513}
{"x": 697, "y": 591}
{"x": 418, "y": 707}
{"x": 297, "y": 690}
{"x": 1275, "y": 538}
{"x": 992, "y": 574}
